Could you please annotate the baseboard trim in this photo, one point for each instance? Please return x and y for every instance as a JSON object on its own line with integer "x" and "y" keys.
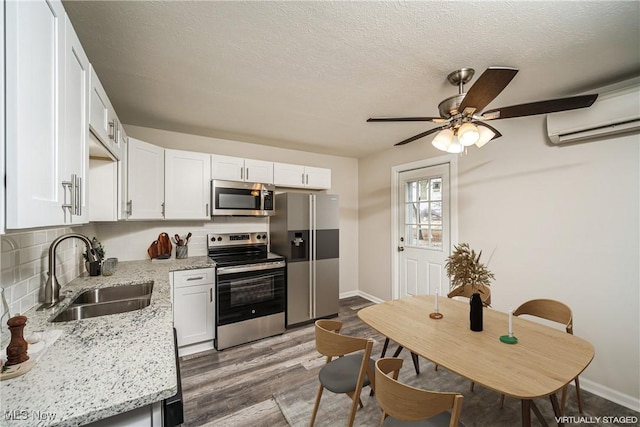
{"x": 349, "y": 294}
{"x": 364, "y": 295}
{"x": 610, "y": 394}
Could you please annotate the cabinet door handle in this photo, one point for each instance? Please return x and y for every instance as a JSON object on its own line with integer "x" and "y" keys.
{"x": 195, "y": 278}
{"x": 247, "y": 174}
{"x": 112, "y": 129}
{"x": 210, "y": 294}
{"x": 65, "y": 205}
{"x": 162, "y": 209}
{"x": 206, "y": 209}
{"x": 303, "y": 178}
{"x": 74, "y": 194}
{"x": 307, "y": 175}
{"x": 129, "y": 208}
{"x": 242, "y": 173}
{"x": 79, "y": 196}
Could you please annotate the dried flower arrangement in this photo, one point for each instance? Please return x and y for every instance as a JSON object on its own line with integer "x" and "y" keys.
{"x": 97, "y": 248}
{"x": 464, "y": 268}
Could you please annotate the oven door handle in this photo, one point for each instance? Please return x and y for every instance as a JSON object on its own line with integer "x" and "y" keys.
{"x": 253, "y": 267}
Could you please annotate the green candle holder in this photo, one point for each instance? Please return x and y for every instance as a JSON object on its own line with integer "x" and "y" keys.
{"x": 509, "y": 339}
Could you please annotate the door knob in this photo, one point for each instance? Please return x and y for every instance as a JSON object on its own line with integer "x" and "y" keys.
{"x": 400, "y": 248}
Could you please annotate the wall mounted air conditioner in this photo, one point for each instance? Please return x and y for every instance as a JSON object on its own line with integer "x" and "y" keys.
{"x": 616, "y": 111}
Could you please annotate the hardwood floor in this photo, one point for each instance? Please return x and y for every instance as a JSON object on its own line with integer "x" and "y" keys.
{"x": 234, "y": 387}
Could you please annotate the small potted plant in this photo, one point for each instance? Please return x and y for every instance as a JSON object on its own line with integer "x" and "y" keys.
{"x": 470, "y": 278}
{"x": 94, "y": 267}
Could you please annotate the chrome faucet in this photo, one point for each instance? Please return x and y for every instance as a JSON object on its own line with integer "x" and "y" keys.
{"x": 52, "y": 287}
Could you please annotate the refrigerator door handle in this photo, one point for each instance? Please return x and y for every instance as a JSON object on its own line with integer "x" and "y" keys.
{"x": 312, "y": 242}
{"x": 315, "y": 255}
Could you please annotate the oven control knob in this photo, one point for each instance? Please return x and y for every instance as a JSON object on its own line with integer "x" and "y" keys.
{"x": 258, "y": 237}
{"x": 264, "y": 236}
{"x": 219, "y": 239}
{"x": 213, "y": 239}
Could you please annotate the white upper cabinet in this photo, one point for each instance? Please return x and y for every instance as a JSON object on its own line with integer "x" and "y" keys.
{"x": 75, "y": 144}
{"x": 319, "y": 178}
{"x": 239, "y": 169}
{"x": 103, "y": 120}
{"x": 42, "y": 184}
{"x": 145, "y": 180}
{"x": 187, "y": 183}
{"x": 288, "y": 175}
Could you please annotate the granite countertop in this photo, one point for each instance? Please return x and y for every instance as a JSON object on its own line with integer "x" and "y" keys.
{"x": 100, "y": 366}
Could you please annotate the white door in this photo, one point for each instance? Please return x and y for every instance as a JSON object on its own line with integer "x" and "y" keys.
{"x": 227, "y": 168}
{"x": 74, "y": 158}
{"x": 34, "y": 37}
{"x": 187, "y": 183}
{"x": 193, "y": 314}
{"x": 258, "y": 171}
{"x": 423, "y": 230}
{"x": 145, "y": 184}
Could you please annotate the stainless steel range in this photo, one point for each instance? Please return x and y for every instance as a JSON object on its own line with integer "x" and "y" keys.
{"x": 250, "y": 288}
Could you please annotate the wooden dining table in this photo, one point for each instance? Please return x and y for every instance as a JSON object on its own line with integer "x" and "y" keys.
{"x": 542, "y": 362}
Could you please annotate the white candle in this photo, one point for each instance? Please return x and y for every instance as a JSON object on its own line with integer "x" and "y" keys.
{"x": 437, "y": 301}
{"x": 510, "y": 322}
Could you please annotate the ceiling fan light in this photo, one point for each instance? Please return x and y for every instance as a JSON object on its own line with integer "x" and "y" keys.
{"x": 455, "y": 147}
{"x": 486, "y": 135}
{"x": 468, "y": 134}
{"x": 443, "y": 139}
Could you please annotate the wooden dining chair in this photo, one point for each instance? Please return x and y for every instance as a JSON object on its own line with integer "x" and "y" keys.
{"x": 467, "y": 291}
{"x": 349, "y": 366}
{"x": 554, "y": 311}
{"x": 403, "y": 405}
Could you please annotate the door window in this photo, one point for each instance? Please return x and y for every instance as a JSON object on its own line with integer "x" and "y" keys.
{"x": 423, "y": 213}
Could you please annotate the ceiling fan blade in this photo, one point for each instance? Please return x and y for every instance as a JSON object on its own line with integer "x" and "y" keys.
{"x": 406, "y": 119}
{"x": 491, "y": 128}
{"x": 541, "y": 107}
{"x": 487, "y": 87}
{"x": 418, "y": 136}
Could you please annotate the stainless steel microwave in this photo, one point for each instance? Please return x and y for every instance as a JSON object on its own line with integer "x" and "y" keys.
{"x": 242, "y": 198}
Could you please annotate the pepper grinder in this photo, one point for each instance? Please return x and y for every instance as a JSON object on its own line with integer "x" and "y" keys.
{"x": 17, "y": 349}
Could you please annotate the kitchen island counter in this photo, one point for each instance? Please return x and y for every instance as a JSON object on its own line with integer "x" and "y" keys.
{"x": 100, "y": 366}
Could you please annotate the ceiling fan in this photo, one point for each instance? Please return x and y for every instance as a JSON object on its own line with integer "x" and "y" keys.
{"x": 463, "y": 123}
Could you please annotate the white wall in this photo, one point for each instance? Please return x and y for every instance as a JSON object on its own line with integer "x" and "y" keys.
{"x": 562, "y": 223}
{"x": 130, "y": 240}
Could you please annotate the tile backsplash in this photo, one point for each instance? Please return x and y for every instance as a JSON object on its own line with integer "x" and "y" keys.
{"x": 24, "y": 262}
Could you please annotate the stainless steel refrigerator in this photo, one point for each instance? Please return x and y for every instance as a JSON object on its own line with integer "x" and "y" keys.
{"x": 305, "y": 230}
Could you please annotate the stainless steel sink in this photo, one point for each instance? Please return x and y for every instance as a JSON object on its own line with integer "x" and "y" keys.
{"x": 114, "y": 293}
{"x": 106, "y": 301}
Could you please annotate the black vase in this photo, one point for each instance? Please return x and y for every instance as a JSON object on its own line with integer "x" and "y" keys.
{"x": 93, "y": 267}
{"x": 475, "y": 315}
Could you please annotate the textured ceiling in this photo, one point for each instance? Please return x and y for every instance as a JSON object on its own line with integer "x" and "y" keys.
{"x": 307, "y": 75}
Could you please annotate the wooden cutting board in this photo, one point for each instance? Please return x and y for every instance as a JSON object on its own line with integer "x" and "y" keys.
{"x": 161, "y": 248}
{"x": 164, "y": 245}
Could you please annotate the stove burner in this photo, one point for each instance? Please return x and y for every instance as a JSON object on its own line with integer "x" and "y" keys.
{"x": 240, "y": 248}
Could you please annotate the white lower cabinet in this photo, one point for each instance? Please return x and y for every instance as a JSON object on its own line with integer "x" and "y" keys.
{"x": 194, "y": 309}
